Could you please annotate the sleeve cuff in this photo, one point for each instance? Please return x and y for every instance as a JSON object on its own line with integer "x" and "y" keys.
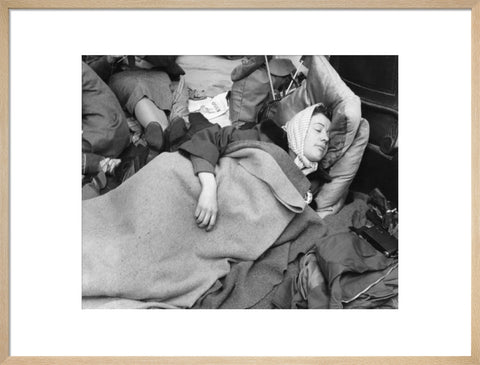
{"x": 201, "y": 165}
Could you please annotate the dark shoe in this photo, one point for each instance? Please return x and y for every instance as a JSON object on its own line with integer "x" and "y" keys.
{"x": 175, "y": 134}
{"x": 154, "y": 136}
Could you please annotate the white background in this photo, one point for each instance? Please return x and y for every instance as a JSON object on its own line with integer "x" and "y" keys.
{"x": 435, "y": 183}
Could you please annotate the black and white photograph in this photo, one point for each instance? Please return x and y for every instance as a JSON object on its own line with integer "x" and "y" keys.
{"x": 240, "y": 182}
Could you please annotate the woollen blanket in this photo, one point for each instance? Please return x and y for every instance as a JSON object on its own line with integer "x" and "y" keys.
{"x": 141, "y": 242}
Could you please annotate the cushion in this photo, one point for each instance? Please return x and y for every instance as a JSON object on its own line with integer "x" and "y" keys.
{"x": 348, "y": 132}
{"x": 324, "y": 85}
{"x": 331, "y": 197}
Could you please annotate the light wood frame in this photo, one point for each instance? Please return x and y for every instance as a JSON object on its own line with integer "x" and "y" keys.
{"x": 6, "y": 5}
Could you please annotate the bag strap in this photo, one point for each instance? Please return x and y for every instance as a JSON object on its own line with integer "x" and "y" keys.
{"x": 270, "y": 77}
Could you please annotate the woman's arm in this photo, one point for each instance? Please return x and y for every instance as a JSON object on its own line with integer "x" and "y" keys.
{"x": 207, "y": 209}
{"x": 209, "y": 144}
{"x": 205, "y": 148}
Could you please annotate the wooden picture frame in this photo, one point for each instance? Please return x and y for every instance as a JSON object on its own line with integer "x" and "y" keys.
{"x": 7, "y": 5}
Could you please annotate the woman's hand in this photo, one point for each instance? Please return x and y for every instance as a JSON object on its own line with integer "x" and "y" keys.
{"x": 206, "y": 210}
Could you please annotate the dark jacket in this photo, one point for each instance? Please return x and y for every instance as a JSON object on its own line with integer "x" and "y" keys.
{"x": 207, "y": 146}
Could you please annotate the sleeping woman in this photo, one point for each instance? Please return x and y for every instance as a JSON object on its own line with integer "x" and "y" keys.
{"x": 141, "y": 244}
{"x": 304, "y": 137}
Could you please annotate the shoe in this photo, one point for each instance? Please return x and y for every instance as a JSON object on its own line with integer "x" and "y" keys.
{"x": 154, "y": 136}
{"x": 175, "y": 134}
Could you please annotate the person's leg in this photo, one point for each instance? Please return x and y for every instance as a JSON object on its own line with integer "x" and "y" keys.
{"x": 146, "y": 112}
{"x": 154, "y": 120}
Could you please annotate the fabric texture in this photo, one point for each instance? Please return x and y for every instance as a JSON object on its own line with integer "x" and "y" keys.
{"x": 352, "y": 268}
{"x": 251, "y": 284}
{"x": 101, "y": 66}
{"x": 324, "y": 85}
{"x": 347, "y": 129}
{"x": 165, "y": 63}
{"x": 248, "y": 65}
{"x": 140, "y": 241}
{"x": 250, "y": 93}
{"x": 179, "y": 99}
{"x": 287, "y": 294}
{"x": 104, "y": 126}
{"x": 131, "y": 86}
{"x": 297, "y": 129}
{"x": 206, "y": 147}
{"x": 207, "y": 76}
{"x": 91, "y": 163}
{"x": 211, "y": 143}
{"x": 342, "y": 271}
{"x": 331, "y": 196}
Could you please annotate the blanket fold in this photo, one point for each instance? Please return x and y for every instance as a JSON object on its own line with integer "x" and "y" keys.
{"x": 141, "y": 243}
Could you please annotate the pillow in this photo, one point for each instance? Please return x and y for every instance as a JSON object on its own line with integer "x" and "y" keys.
{"x": 104, "y": 125}
{"x": 324, "y": 85}
{"x": 332, "y": 195}
{"x": 348, "y": 131}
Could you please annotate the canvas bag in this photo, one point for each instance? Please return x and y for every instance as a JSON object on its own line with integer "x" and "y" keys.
{"x": 323, "y": 85}
{"x": 251, "y": 92}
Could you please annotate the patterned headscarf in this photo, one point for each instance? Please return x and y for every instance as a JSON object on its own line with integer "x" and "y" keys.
{"x": 296, "y": 129}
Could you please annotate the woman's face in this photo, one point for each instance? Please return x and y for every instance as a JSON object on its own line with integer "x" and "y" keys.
{"x": 316, "y": 140}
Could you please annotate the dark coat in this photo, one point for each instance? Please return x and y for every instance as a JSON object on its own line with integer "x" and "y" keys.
{"x": 207, "y": 146}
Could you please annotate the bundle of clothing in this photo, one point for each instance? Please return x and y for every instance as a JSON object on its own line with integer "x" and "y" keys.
{"x": 141, "y": 242}
{"x": 342, "y": 271}
{"x": 142, "y": 248}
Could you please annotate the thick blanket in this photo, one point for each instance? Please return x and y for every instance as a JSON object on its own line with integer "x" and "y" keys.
{"x": 141, "y": 243}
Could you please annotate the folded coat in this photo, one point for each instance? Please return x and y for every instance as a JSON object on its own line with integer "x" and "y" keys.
{"x": 356, "y": 275}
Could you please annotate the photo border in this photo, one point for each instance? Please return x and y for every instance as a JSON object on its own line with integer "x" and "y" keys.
{"x": 7, "y": 5}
